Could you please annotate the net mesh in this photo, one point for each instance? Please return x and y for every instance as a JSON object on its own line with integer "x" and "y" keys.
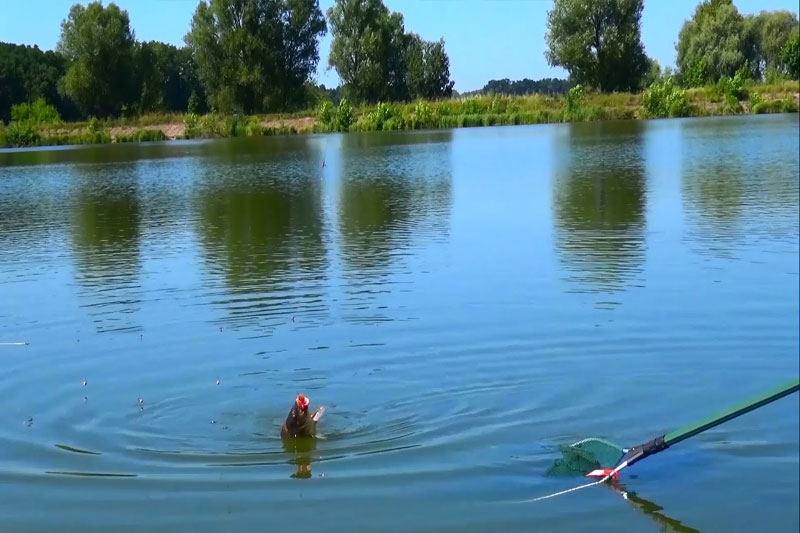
{"x": 586, "y": 455}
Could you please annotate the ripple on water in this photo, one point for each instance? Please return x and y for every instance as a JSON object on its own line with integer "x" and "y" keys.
{"x": 458, "y": 328}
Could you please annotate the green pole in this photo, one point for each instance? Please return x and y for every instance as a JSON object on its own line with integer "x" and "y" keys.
{"x": 754, "y": 403}
{"x": 659, "y": 444}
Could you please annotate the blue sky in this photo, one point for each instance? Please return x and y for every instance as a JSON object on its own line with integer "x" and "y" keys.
{"x": 485, "y": 39}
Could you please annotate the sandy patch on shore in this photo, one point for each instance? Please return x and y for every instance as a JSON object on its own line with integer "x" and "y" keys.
{"x": 172, "y": 131}
{"x": 296, "y": 123}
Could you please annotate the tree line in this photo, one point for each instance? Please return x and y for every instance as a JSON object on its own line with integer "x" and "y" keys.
{"x": 552, "y": 86}
{"x": 240, "y": 56}
{"x": 599, "y": 43}
{"x": 257, "y": 56}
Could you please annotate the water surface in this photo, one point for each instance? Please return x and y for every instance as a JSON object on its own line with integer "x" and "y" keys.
{"x": 462, "y": 302}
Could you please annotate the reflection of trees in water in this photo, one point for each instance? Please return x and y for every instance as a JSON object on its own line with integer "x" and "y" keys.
{"x": 713, "y": 189}
{"x": 599, "y": 205}
{"x": 380, "y": 217}
{"x": 738, "y": 184}
{"x": 714, "y": 197}
{"x": 261, "y": 225}
{"x": 31, "y": 213}
{"x": 394, "y": 195}
{"x": 106, "y": 241}
{"x": 102, "y": 153}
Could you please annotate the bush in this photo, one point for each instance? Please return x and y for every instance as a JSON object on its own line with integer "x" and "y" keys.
{"x": 378, "y": 117}
{"x": 573, "y": 104}
{"x": 731, "y": 90}
{"x": 393, "y": 123}
{"x": 446, "y": 109}
{"x": 736, "y": 85}
{"x": 759, "y": 106}
{"x": 470, "y": 121}
{"x": 191, "y": 126}
{"x": 756, "y": 104}
{"x": 773, "y": 76}
{"x": 253, "y": 127}
{"x": 471, "y": 107}
{"x": 151, "y": 135}
{"x": 406, "y": 117}
{"x": 209, "y": 126}
{"x": 362, "y": 124}
{"x": 498, "y": 105}
{"x": 715, "y": 93}
{"x": 38, "y": 112}
{"x": 449, "y": 121}
{"x": 326, "y": 114}
{"x": 697, "y": 74}
{"x": 142, "y": 136}
{"x": 788, "y": 105}
{"x": 732, "y": 105}
{"x": 93, "y": 134}
{"x": 194, "y": 105}
{"x": 18, "y": 134}
{"x": 344, "y": 115}
{"x": 233, "y": 127}
{"x": 664, "y": 99}
{"x": 595, "y": 113}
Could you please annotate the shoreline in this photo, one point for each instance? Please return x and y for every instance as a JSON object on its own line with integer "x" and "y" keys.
{"x": 484, "y": 111}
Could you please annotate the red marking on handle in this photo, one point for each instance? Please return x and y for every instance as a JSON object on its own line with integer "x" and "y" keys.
{"x": 600, "y": 474}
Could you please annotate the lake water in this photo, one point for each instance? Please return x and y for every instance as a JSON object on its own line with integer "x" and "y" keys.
{"x": 463, "y": 302}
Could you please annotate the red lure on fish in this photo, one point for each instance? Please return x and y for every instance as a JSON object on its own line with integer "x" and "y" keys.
{"x": 302, "y": 402}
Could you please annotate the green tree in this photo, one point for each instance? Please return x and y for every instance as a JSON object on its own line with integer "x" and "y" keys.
{"x": 769, "y": 33}
{"x": 395, "y": 43}
{"x": 255, "y": 55}
{"x": 99, "y": 44}
{"x": 415, "y": 65}
{"x": 653, "y": 73}
{"x": 695, "y": 73}
{"x": 791, "y": 55}
{"x": 27, "y": 74}
{"x": 428, "y": 69}
{"x": 180, "y": 79}
{"x": 377, "y": 60}
{"x": 166, "y": 77}
{"x": 303, "y": 24}
{"x": 150, "y": 81}
{"x": 234, "y": 45}
{"x": 37, "y": 112}
{"x": 598, "y": 42}
{"x": 713, "y": 44}
{"x": 526, "y": 86}
{"x": 358, "y": 48}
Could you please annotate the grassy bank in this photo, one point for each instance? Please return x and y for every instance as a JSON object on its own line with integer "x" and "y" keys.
{"x": 662, "y": 100}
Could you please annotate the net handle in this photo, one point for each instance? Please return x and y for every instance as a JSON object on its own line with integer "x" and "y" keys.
{"x": 777, "y": 393}
{"x": 661, "y": 443}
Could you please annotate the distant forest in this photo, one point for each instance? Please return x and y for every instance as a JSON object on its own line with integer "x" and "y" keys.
{"x": 552, "y": 86}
